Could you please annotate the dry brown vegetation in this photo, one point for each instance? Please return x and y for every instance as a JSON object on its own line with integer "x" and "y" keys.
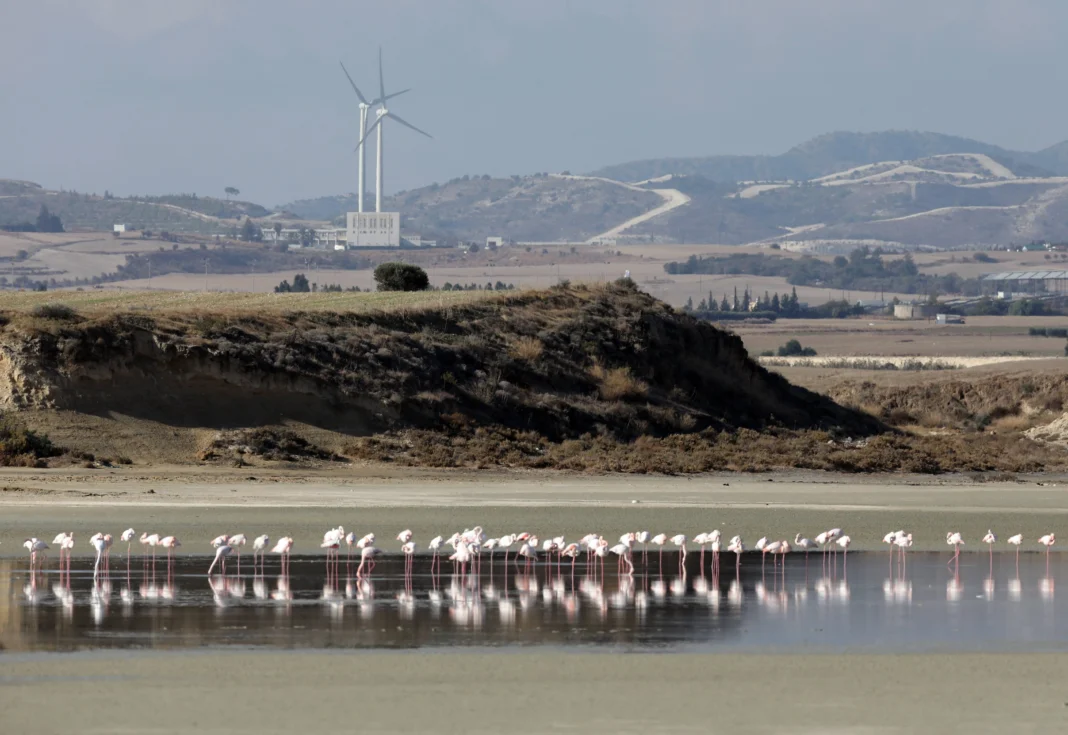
{"x": 528, "y": 349}
{"x": 597, "y": 379}
{"x": 744, "y": 450}
{"x": 999, "y": 403}
{"x": 618, "y": 384}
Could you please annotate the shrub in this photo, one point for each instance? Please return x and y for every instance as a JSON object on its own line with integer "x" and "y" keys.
{"x": 401, "y": 277}
{"x": 618, "y": 384}
{"x": 528, "y": 349}
{"x": 54, "y": 311}
{"x": 793, "y": 348}
{"x": 20, "y": 447}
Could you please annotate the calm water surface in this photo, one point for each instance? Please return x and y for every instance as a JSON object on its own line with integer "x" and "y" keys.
{"x": 866, "y": 604}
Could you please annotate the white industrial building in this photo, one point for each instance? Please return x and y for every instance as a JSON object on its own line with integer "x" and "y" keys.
{"x": 373, "y": 229}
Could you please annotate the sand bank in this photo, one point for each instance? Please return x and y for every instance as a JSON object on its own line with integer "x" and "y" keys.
{"x": 407, "y": 692}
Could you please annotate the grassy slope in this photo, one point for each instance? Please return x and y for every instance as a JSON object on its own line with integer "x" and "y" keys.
{"x": 602, "y": 378}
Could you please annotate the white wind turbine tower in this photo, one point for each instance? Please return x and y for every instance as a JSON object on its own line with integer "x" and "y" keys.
{"x": 382, "y": 113}
{"x": 364, "y": 107}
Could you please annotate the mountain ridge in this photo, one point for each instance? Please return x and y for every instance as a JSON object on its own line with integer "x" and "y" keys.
{"x": 836, "y": 151}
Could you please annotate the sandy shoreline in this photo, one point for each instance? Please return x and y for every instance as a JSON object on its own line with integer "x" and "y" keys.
{"x": 410, "y": 692}
{"x": 197, "y": 505}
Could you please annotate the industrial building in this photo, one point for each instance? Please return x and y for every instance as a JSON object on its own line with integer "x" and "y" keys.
{"x": 1027, "y": 282}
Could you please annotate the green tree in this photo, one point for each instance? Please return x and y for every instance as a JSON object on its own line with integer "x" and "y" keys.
{"x": 250, "y": 232}
{"x": 231, "y": 192}
{"x": 775, "y": 303}
{"x": 736, "y": 305}
{"x": 300, "y": 284}
{"x": 689, "y": 304}
{"x": 724, "y": 305}
{"x": 713, "y": 305}
{"x": 48, "y": 222}
{"x": 401, "y": 277}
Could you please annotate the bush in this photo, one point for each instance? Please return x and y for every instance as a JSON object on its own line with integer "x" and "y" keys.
{"x": 54, "y": 311}
{"x": 401, "y": 277}
{"x": 20, "y": 447}
{"x": 793, "y": 348}
{"x": 528, "y": 349}
{"x": 618, "y": 384}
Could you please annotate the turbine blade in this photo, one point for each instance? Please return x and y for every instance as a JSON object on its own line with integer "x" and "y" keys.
{"x": 367, "y": 135}
{"x": 354, "y": 87}
{"x": 381, "y": 79}
{"x": 407, "y": 124}
{"x": 396, "y": 94}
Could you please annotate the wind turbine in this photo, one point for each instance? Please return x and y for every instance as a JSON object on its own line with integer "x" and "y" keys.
{"x": 382, "y": 113}
{"x": 364, "y": 107}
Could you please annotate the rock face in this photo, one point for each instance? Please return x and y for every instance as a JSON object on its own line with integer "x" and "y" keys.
{"x": 568, "y": 362}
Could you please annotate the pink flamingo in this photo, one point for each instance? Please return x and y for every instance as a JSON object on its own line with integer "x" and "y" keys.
{"x": 220, "y": 553}
{"x": 367, "y": 554}
{"x": 1048, "y": 540}
{"x": 283, "y": 547}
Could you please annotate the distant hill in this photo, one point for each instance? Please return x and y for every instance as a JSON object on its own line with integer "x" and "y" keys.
{"x": 538, "y": 208}
{"x": 939, "y": 201}
{"x": 838, "y": 151}
{"x": 20, "y": 201}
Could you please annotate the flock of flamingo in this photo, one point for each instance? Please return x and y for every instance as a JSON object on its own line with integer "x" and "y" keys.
{"x": 469, "y": 546}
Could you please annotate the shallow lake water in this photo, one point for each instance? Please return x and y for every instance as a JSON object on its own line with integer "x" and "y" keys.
{"x": 865, "y": 603}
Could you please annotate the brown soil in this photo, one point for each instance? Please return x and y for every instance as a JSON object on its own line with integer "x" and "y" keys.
{"x": 593, "y": 379}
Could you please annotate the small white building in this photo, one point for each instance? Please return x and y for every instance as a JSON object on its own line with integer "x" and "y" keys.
{"x": 119, "y": 229}
{"x": 373, "y": 229}
{"x": 494, "y": 242}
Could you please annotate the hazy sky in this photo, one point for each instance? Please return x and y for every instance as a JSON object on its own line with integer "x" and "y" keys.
{"x": 155, "y": 96}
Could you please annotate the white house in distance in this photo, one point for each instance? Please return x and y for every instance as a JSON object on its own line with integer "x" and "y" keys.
{"x": 372, "y": 229}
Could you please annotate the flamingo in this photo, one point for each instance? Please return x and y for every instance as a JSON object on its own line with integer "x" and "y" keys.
{"x": 97, "y": 542}
{"x": 148, "y": 540}
{"x": 715, "y": 543}
{"x": 953, "y": 538}
{"x": 170, "y": 543}
{"x": 489, "y": 544}
{"x": 680, "y": 541}
{"x": 737, "y": 546}
{"x": 408, "y": 549}
{"x": 1016, "y": 541}
{"x": 701, "y": 540}
{"x": 128, "y": 537}
{"x": 760, "y": 546}
{"x": 235, "y": 542}
{"x": 219, "y": 540}
{"x": 221, "y": 552}
{"x": 772, "y": 548}
{"x": 505, "y": 542}
{"x": 1048, "y": 540}
{"x": 367, "y": 553}
{"x": 659, "y": 540}
{"x": 259, "y": 547}
{"x": 990, "y": 539}
{"x": 434, "y": 545}
{"x": 642, "y": 537}
{"x": 806, "y": 544}
{"x": 60, "y": 540}
{"x": 903, "y": 541}
{"x": 405, "y": 536}
{"x": 68, "y": 546}
{"x": 528, "y": 552}
{"x": 35, "y": 546}
{"x": 623, "y": 552}
{"x": 363, "y": 543}
{"x": 461, "y": 555}
{"x": 843, "y": 542}
{"x": 284, "y": 547}
{"x": 571, "y": 551}
{"x": 107, "y": 551}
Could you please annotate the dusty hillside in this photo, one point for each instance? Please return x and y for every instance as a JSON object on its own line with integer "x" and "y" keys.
{"x": 599, "y": 378}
